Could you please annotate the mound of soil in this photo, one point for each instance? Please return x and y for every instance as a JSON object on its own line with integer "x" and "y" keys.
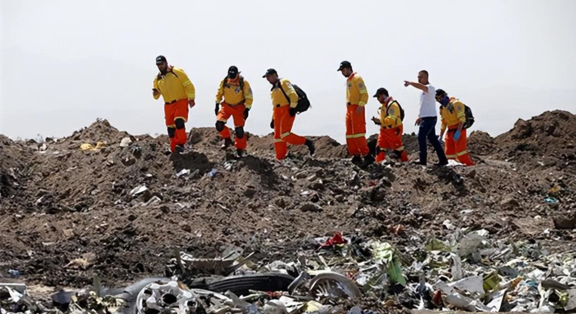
{"x": 132, "y": 207}
{"x": 548, "y": 139}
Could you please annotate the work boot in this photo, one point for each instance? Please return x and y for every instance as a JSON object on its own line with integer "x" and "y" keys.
{"x": 240, "y": 153}
{"x": 311, "y": 147}
{"x": 368, "y": 160}
{"x": 227, "y": 143}
{"x": 356, "y": 159}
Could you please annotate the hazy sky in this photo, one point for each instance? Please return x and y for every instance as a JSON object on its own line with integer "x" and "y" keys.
{"x": 65, "y": 63}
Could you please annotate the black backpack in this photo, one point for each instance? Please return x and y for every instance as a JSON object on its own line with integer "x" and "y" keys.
{"x": 401, "y": 109}
{"x": 469, "y": 117}
{"x": 303, "y": 102}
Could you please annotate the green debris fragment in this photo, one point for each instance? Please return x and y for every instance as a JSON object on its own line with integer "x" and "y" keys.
{"x": 563, "y": 296}
{"x": 491, "y": 281}
{"x": 395, "y": 272}
{"x": 436, "y": 245}
{"x": 387, "y": 253}
{"x": 382, "y": 251}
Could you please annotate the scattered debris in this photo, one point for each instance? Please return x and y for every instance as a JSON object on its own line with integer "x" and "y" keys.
{"x": 334, "y": 240}
{"x": 90, "y": 147}
{"x": 183, "y": 172}
{"x": 310, "y": 207}
{"x": 333, "y": 285}
{"x": 138, "y": 190}
{"x": 212, "y": 172}
{"x": 13, "y": 273}
{"x": 550, "y": 200}
{"x": 125, "y": 142}
{"x": 473, "y": 229}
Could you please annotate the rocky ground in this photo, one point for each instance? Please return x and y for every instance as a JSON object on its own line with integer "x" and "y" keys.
{"x": 121, "y": 211}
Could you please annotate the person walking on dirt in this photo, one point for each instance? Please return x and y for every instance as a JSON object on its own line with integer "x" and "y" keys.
{"x": 427, "y": 119}
{"x": 391, "y": 128}
{"x": 356, "y": 99}
{"x": 237, "y": 103}
{"x": 453, "y": 116}
{"x": 178, "y": 93}
{"x": 284, "y": 102}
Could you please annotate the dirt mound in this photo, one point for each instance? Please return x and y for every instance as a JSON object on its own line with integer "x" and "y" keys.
{"x": 209, "y": 139}
{"x": 482, "y": 144}
{"x": 13, "y": 164}
{"x": 99, "y": 131}
{"x": 548, "y": 139}
{"x": 133, "y": 205}
{"x": 550, "y": 125}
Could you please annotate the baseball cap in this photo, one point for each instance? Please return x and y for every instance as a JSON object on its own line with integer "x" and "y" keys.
{"x": 344, "y": 65}
{"x": 381, "y": 91}
{"x": 160, "y": 59}
{"x": 233, "y": 70}
{"x": 440, "y": 92}
{"x": 269, "y": 72}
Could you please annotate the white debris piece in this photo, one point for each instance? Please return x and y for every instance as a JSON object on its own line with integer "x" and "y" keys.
{"x": 183, "y": 172}
{"x": 125, "y": 142}
{"x": 138, "y": 190}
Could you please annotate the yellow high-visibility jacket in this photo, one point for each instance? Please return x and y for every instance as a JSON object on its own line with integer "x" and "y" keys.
{"x": 233, "y": 94}
{"x": 278, "y": 97}
{"x": 356, "y": 92}
{"x": 175, "y": 85}
{"x": 453, "y": 114}
{"x": 390, "y": 116}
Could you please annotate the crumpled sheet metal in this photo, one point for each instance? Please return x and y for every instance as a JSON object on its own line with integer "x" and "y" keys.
{"x": 171, "y": 296}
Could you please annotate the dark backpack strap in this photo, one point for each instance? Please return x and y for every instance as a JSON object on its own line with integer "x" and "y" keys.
{"x": 242, "y": 83}
{"x": 283, "y": 92}
{"x": 390, "y": 104}
{"x": 171, "y": 71}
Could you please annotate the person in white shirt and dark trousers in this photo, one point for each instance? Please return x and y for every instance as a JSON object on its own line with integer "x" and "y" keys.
{"x": 427, "y": 119}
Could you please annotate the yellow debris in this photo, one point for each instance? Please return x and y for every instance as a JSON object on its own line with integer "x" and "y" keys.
{"x": 91, "y": 147}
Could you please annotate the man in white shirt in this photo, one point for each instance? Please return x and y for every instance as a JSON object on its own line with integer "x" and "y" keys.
{"x": 427, "y": 119}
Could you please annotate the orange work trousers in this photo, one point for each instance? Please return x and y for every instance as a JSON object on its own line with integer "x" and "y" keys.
{"x": 176, "y": 129}
{"x": 391, "y": 139}
{"x": 457, "y": 150}
{"x": 356, "y": 131}
{"x": 283, "y": 122}
{"x": 237, "y": 113}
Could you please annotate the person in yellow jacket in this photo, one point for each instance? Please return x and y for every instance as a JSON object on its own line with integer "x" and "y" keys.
{"x": 453, "y": 116}
{"x": 356, "y": 99}
{"x": 237, "y": 103}
{"x": 284, "y": 102}
{"x": 178, "y": 93}
{"x": 391, "y": 127}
